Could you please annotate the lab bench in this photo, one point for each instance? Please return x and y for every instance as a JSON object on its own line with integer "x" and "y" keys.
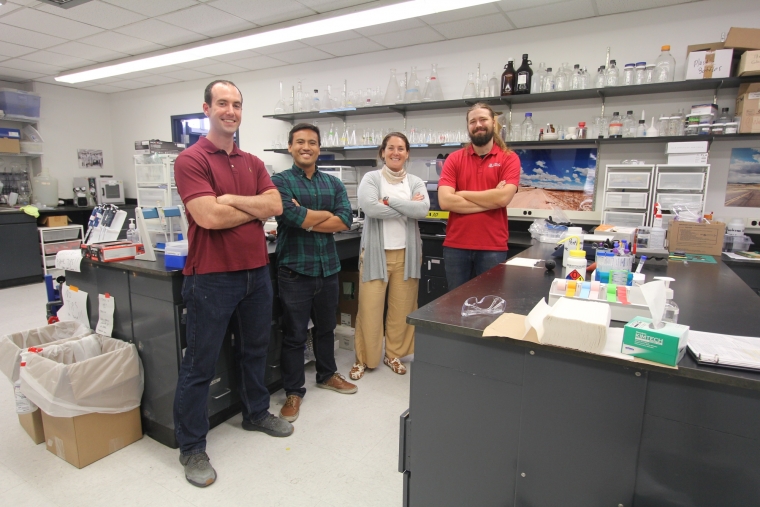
{"x": 150, "y": 313}
{"x": 503, "y": 422}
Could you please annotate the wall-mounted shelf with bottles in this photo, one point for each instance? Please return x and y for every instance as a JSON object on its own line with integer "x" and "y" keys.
{"x": 26, "y": 155}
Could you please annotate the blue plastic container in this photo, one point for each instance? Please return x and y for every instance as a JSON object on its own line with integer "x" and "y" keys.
{"x": 19, "y": 103}
{"x": 175, "y": 261}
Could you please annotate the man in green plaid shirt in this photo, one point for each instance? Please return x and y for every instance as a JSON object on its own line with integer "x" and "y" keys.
{"x": 315, "y": 205}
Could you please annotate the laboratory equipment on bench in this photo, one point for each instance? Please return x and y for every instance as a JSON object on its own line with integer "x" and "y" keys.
{"x": 105, "y": 224}
{"x": 81, "y": 189}
{"x": 109, "y": 190}
{"x": 170, "y": 231}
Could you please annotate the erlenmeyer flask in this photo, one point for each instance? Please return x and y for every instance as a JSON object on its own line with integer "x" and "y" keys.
{"x": 469, "y": 90}
{"x": 279, "y": 108}
{"x": 331, "y": 135}
{"x": 352, "y": 136}
{"x": 392, "y": 93}
{"x": 433, "y": 90}
{"x": 493, "y": 86}
{"x": 413, "y": 93}
{"x": 401, "y": 91}
{"x": 298, "y": 104}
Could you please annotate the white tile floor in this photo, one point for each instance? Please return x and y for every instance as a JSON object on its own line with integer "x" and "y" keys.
{"x": 344, "y": 451}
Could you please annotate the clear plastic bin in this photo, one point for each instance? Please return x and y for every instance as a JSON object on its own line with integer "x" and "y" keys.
{"x": 54, "y": 248}
{"x": 736, "y": 243}
{"x": 32, "y": 148}
{"x": 19, "y": 103}
{"x": 153, "y": 173}
{"x": 152, "y": 196}
{"x": 632, "y": 200}
{"x": 624, "y": 219}
{"x": 681, "y": 181}
{"x": 668, "y": 200}
{"x": 60, "y": 234}
{"x": 638, "y": 180}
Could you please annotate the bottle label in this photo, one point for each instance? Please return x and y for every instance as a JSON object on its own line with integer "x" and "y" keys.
{"x": 23, "y": 405}
{"x": 522, "y": 79}
{"x": 574, "y": 275}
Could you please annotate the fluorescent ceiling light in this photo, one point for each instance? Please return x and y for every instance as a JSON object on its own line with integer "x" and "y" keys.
{"x": 352, "y": 21}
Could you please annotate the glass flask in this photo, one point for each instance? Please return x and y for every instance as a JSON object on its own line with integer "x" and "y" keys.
{"x": 401, "y": 91}
{"x": 548, "y": 81}
{"x": 413, "y": 94}
{"x": 528, "y": 128}
{"x": 315, "y": 101}
{"x": 665, "y": 66}
{"x": 575, "y": 78}
{"x": 629, "y": 77}
{"x": 485, "y": 90}
{"x": 640, "y": 73}
{"x": 524, "y": 76}
{"x": 279, "y": 107}
{"x": 392, "y": 92}
{"x": 493, "y": 86}
{"x": 433, "y": 91}
{"x": 352, "y": 136}
{"x": 612, "y": 75}
{"x": 369, "y": 100}
{"x": 298, "y": 103}
{"x": 469, "y": 89}
{"x": 601, "y": 78}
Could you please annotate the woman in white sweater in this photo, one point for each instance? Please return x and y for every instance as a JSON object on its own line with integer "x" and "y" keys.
{"x": 391, "y": 253}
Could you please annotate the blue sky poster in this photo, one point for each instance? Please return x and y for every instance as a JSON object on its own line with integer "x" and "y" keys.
{"x": 743, "y": 188}
{"x": 560, "y": 178}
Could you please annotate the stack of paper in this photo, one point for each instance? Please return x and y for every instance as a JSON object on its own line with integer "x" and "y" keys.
{"x": 577, "y": 324}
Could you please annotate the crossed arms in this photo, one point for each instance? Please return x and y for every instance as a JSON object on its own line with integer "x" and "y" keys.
{"x": 466, "y": 202}
{"x": 228, "y": 211}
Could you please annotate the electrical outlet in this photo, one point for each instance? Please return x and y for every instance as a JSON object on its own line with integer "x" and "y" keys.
{"x": 752, "y": 223}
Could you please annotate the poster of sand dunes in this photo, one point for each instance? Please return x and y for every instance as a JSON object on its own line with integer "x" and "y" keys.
{"x": 743, "y": 188}
{"x": 562, "y": 178}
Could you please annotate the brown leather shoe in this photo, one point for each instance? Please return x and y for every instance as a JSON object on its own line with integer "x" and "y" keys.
{"x": 338, "y": 384}
{"x": 289, "y": 411}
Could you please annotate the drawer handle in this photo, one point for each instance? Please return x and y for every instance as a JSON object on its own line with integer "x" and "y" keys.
{"x": 225, "y": 393}
{"x": 428, "y": 285}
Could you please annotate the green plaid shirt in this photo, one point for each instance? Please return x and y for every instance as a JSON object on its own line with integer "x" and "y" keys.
{"x": 309, "y": 253}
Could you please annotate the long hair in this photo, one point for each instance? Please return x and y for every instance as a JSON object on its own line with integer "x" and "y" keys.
{"x": 496, "y": 125}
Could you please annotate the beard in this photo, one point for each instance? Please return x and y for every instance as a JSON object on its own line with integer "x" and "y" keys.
{"x": 481, "y": 138}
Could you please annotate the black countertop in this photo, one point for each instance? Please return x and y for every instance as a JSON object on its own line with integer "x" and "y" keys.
{"x": 711, "y": 297}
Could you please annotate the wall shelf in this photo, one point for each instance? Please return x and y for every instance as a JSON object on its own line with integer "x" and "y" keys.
{"x": 20, "y": 119}
{"x": 27, "y": 155}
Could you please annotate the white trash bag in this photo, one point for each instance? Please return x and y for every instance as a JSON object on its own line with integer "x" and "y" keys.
{"x": 12, "y": 345}
{"x": 93, "y": 374}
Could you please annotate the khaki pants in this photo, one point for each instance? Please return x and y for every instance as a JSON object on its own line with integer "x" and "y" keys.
{"x": 402, "y": 300}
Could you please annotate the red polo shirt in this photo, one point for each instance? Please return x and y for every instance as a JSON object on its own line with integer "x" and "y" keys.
{"x": 466, "y": 170}
{"x": 203, "y": 169}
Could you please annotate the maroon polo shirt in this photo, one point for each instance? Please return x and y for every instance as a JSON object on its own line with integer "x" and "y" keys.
{"x": 203, "y": 169}
{"x": 466, "y": 170}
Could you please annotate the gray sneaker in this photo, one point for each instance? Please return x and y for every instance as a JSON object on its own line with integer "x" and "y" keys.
{"x": 271, "y": 425}
{"x": 198, "y": 470}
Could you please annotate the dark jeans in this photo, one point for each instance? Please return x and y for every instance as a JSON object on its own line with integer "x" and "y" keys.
{"x": 242, "y": 300}
{"x": 305, "y": 297}
{"x": 464, "y": 265}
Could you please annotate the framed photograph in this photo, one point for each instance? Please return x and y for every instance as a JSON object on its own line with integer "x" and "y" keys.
{"x": 743, "y": 187}
{"x": 90, "y": 159}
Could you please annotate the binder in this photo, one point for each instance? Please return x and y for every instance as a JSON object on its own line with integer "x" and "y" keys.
{"x": 741, "y": 352}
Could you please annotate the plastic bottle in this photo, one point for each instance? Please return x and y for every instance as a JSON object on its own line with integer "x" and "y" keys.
{"x": 657, "y": 233}
{"x": 576, "y": 266}
{"x": 508, "y": 78}
{"x": 641, "y": 130}
{"x": 601, "y": 78}
{"x": 548, "y": 85}
{"x": 629, "y": 125}
{"x": 45, "y": 189}
{"x": 561, "y": 83}
{"x": 664, "y": 66}
{"x": 524, "y": 76}
{"x": 23, "y": 404}
{"x": 652, "y": 130}
{"x": 493, "y": 86}
{"x": 575, "y": 79}
{"x": 528, "y": 128}
{"x": 629, "y": 77}
{"x": 640, "y": 73}
{"x": 671, "y": 308}
{"x": 616, "y": 125}
{"x": 570, "y": 239}
{"x": 611, "y": 75}
{"x": 133, "y": 234}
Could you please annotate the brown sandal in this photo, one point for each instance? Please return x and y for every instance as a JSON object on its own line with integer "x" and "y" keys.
{"x": 357, "y": 371}
{"x": 395, "y": 365}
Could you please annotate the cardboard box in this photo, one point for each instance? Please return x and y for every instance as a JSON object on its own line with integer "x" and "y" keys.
{"x": 687, "y": 159}
{"x": 346, "y": 337}
{"x": 709, "y": 64}
{"x": 748, "y": 107}
{"x": 87, "y": 438}
{"x": 707, "y": 46}
{"x": 694, "y": 238}
{"x": 9, "y": 145}
{"x": 32, "y": 424}
{"x": 348, "y": 300}
{"x": 743, "y": 38}
{"x": 54, "y": 221}
{"x": 749, "y": 65}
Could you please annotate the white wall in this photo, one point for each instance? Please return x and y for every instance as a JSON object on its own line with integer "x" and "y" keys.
{"x": 143, "y": 114}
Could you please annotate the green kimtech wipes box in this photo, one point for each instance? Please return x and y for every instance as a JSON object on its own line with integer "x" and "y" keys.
{"x": 665, "y": 345}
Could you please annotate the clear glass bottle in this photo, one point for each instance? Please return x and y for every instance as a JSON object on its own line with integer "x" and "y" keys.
{"x": 548, "y": 81}
{"x": 575, "y": 79}
{"x": 279, "y": 107}
{"x": 640, "y": 73}
{"x": 612, "y": 75}
{"x": 561, "y": 83}
{"x": 629, "y": 77}
{"x": 528, "y": 128}
{"x": 493, "y": 86}
{"x": 524, "y": 76}
{"x": 641, "y": 129}
{"x": 433, "y": 91}
{"x": 515, "y": 130}
{"x": 649, "y": 74}
{"x": 724, "y": 116}
{"x": 508, "y": 78}
{"x": 392, "y": 92}
{"x": 298, "y": 103}
{"x": 665, "y": 66}
{"x": 470, "y": 92}
{"x": 585, "y": 79}
{"x": 676, "y": 124}
{"x": 315, "y": 101}
{"x": 601, "y": 78}
{"x": 671, "y": 308}
{"x": 616, "y": 125}
{"x": 629, "y": 125}
{"x": 413, "y": 92}
{"x": 537, "y": 84}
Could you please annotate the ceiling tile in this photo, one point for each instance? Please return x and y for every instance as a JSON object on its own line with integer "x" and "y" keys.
{"x": 160, "y": 32}
{"x": 59, "y": 60}
{"x": 221, "y": 69}
{"x": 33, "y": 19}
{"x": 136, "y": 75}
{"x": 475, "y": 26}
{"x": 104, "y": 88}
{"x": 408, "y": 37}
{"x": 330, "y": 38}
{"x": 95, "y": 13}
{"x": 614, "y": 6}
{"x": 197, "y": 64}
{"x": 238, "y": 55}
{"x": 279, "y": 48}
{"x": 396, "y": 26}
{"x": 29, "y": 38}
{"x": 302, "y": 55}
{"x": 40, "y": 68}
{"x": 187, "y": 75}
{"x": 331, "y": 5}
{"x": 264, "y": 12}
{"x": 460, "y": 14}
{"x": 553, "y": 13}
{"x": 167, "y": 68}
{"x": 158, "y": 80}
{"x": 207, "y": 20}
{"x": 131, "y": 84}
{"x": 152, "y": 7}
{"x": 513, "y": 5}
{"x": 121, "y": 43}
{"x": 29, "y": 3}
{"x": 90, "y": 52}
{"x": 352, "y": 47}
{"x": 16, "y": 74}
{"x": 8, "y": 8}
{"x": 259, "y": 62}
{"x": 10, "y": 49}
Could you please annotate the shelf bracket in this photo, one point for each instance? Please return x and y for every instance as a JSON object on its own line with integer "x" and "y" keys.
{"x": 602, "y": 96}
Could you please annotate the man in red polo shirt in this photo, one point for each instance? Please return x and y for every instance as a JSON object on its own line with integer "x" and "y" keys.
{"x": 476, "y": 185}
{"x": 226, "y": 192}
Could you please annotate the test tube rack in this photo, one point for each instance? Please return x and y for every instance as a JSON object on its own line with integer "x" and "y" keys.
{"x": 624, "y": 306}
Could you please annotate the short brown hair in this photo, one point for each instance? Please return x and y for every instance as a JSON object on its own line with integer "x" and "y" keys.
{"x": 496, "y": 125}
{"x": 384, "y": 144}
{"x": 207, "y": 95}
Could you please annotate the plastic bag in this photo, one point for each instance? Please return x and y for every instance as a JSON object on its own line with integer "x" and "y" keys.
{"x": 489, "y": 305}
{"x": 11, "y": 345}
{"x": 93, "y": 374}
{"x": 688, "y": 212}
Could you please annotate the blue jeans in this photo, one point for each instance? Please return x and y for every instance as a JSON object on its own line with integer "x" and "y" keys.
{"x": 305, "y": 297}
{"x": 214, "y": 301}
{"x": 464, "y": 265}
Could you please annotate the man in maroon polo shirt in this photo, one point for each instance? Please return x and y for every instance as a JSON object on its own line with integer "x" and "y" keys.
{"x": 476, "y": 185}
{"x": 226, "y": 193}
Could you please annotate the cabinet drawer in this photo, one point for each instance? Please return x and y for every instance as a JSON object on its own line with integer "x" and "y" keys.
{"x": 433, "y": 266}
{"x": 222, "y": 392}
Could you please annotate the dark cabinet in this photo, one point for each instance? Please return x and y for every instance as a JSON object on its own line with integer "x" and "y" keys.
{"x": 20, "y": 255}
